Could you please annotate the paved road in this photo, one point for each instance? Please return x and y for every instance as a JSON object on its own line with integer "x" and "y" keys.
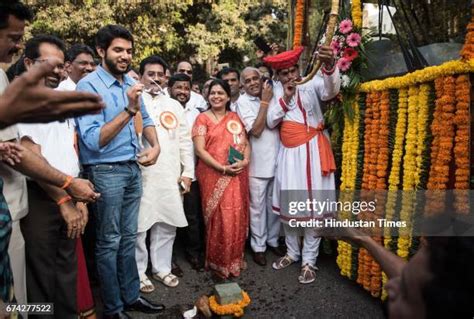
{"x": 277, "y": 294}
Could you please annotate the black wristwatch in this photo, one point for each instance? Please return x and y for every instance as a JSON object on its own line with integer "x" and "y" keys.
{"x": 130, "y": 112}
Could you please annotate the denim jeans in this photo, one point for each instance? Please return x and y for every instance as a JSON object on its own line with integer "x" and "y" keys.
{"x": 116, "y": 212}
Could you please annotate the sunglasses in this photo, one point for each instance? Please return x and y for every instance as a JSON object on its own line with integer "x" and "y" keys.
{"x": 60, "y": 67}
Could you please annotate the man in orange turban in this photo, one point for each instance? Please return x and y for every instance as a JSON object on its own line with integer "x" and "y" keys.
{"x": 305, "y": 163}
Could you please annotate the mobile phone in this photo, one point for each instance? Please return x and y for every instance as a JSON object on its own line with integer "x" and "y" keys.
{"x": 182, "y": 186}
{"x": 265, "y": 79}
{"x": 262, "y": 45}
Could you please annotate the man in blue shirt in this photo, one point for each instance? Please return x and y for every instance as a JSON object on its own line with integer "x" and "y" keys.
{"x": 109, "y": 152}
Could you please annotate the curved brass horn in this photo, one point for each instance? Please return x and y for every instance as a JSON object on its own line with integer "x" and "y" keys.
{"x": 332, "y": 23}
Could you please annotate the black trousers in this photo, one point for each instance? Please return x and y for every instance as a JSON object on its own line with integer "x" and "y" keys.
{"x": 89, "y": 239}
{"x": 51, "y": 261}
{"x": 193, "y": 234}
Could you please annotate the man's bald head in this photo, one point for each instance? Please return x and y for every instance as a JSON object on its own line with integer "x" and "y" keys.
{"x": 184, "y": 67}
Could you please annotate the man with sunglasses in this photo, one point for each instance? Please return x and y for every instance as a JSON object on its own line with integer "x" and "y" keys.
{"x": 196, "y": 100}
{"x": 54, "y": 221}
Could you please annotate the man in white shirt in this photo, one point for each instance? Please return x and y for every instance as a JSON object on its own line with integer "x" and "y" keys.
{"x": 79, "y": 63}
{"x": 305, "y": 162}
{"x": 161, "y": 207}
{"x": 196, "y": 101}
{"x": 231, "y": 76}
{"x": 54, "y": 221}
{"x": 252, "y": 108}
{"x": 14, "y": 189}
{"x": 180, "y": 90}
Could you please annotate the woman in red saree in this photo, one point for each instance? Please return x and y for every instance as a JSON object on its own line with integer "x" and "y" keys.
{"x": 224, "y": 186}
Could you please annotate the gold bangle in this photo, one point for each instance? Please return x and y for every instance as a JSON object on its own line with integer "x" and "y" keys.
{"x": 223, "y": 172}
{"x": 264, "y": 103}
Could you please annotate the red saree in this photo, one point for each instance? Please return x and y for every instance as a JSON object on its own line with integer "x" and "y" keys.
{"x": 225, "y": 199}
{"x": 85, "y": 301}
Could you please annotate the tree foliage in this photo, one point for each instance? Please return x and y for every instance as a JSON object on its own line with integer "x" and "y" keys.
{"x": 206, "y": 32}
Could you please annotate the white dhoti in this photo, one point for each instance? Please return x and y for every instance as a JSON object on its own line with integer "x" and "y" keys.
{"x": 310, "y": 251}
{"x": 264, "y": 225}
{"x": 300, "y": 164}
{"x": 161, "y": 248}
{"x": 161, "y": 205}
{"x": 290, "y": 161}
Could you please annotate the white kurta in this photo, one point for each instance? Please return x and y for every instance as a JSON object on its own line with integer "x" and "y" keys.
{"x": 161, "y": 200}
{"x": 299, "y": 168}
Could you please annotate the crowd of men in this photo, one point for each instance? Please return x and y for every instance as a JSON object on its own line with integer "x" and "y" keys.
{"x": 121, "y": 148}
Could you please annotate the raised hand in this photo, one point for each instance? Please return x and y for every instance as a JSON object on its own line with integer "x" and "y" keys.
{"x": 26, "y": 100}
{"x": 133, "y": 95}
{"x": 326, "y": 56}
{"x": 267, "y": 91}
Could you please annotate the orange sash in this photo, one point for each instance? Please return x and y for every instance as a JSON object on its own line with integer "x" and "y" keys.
{"x": 294, "y": 134}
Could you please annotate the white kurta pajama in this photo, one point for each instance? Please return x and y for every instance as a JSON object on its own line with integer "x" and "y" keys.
{"x": 161, "y": 206}
{"x": 299, "y": 168}
{"x": 264, "y": 225}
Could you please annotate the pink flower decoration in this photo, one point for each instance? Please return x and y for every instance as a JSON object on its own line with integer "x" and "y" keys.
{"x": 345, "y": 26}
{"x": 353, "y": 39}
{"x": 350, "y": 54}
{"x": 335, "y": 46}
{"x": 344, "y": 64}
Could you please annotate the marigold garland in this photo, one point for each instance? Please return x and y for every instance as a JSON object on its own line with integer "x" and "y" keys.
{"x": 394, "y": 177}
{"x": 299, "y": 23}
{"x": 375, "y": 150}
{"x": 421, "y": 76}
{"x": 425, "y": 166}
{"x": 422, "y": 120}
{"x": 409, "y": 160}
{"x": 409, "y": 169}
{"x": 467, "y": 51}
{"x": 367, "y": 140}
{"x": 461, "y": 147}
{"x": 381, "y": 184}
{"x": 235, "y": 309}
{"x": 374, "y": 143}
{"x": 348, "y": 180}
{"x": 462, "y": 120}
{"x": 357, "y": 13}
{"x": 365, "y": 261}
{"x": 383, "y": 135}
{"x": 353, "y": 146}
{"x": 400, "y": 131}
{"x": 443, "y": 139}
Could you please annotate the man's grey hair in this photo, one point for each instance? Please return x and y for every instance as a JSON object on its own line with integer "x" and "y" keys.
{"x": 248, "y": 69}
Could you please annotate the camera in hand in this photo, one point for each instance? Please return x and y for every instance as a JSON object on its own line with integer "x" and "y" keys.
{"x": 262, "y": 45}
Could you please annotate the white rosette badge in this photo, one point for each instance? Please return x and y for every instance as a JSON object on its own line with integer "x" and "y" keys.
{"x": 235, "y": 128}
{"x": 169, "y": 122}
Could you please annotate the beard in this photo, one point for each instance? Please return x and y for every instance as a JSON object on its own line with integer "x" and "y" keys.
{"x": 183, "y": 100}
{"x": 113, "y": 67}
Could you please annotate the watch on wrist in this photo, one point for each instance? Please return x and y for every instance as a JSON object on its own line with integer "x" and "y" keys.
{"x": 130, "y": 112}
